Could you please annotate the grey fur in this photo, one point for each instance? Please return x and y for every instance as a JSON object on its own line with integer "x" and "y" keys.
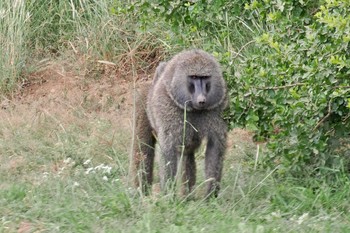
{"x": 168, "y": 97}
{"x": 159, "y": 71}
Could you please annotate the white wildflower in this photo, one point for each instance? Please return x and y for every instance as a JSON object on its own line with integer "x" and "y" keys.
{"x": 45, "y": 175}
{"x": 302, "y": 218}
{"x": 105, "y": 168}
{"x": 67, "y": 160}
{"x": 90, "y": 169}
{"x": 76, "y": 184}
{"x": 87, "y": 162}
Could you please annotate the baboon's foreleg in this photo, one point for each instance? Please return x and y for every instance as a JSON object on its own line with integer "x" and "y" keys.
{"x": 213, "y": 165}
{"x": 189, "y": 178}
{"x": 170, "y": 153}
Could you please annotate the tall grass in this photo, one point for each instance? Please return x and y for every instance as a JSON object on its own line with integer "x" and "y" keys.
{"x": 59, "y": 25}
{"x": 88, "y": 30}
{"x": 13, "y": 31}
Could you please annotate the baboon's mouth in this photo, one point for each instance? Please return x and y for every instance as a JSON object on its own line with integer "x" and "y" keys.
{"x": 198, "y": 107}
{"x": 194, "y": 105}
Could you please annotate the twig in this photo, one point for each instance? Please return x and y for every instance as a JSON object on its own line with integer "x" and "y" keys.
{"x": 275, "y": 88}
{"x": 238, "y": 53}
{"x": 341, "y": 87}
{"x": 281, "y": 87}
{"x": 288, "y": 86}
{"x": 346, "y": 118}
{"x": 256, "y": 157}
{"x": 325, "y": 117}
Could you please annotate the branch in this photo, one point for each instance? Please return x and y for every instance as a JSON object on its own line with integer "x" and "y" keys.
{"x": 287, "y": 86}
{"x": 281, "y": 87}
{"x": 276, "y": 88}
{"x": 341, "y": 87}
{"x": 243, "y": 47}
{"x": 346, "y": 118}
{"x": 325, "y": 117}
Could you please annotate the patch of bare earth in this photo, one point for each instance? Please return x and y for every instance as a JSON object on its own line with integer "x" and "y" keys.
{"x": 59, "y": 89}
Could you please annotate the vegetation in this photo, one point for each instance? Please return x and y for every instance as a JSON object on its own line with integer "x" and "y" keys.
{"x": 64, "y": 161}
{"x": 297, "y": 90}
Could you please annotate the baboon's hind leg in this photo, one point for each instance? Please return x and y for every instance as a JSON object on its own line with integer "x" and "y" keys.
{"x": 144, "y": 142}
{"x": 144, "y": 157}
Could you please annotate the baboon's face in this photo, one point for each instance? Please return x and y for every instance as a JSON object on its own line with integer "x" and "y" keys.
{"x": 194, "y": 81}
{"x": 198, "y": 87}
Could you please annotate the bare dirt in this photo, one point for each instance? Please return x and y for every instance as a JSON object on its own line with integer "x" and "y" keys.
{"x": 58, "y": 88}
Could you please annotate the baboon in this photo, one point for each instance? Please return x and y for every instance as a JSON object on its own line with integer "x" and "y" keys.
{"x": 183, "y": 107}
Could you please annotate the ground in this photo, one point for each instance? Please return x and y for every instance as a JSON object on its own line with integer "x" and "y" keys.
{"x": 65, "y": 138}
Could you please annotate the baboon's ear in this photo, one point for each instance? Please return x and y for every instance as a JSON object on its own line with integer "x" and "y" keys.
{"x": 159, "y": 71}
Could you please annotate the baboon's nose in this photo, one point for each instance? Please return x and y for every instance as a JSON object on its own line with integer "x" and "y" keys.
{"x": 201, "y": 100}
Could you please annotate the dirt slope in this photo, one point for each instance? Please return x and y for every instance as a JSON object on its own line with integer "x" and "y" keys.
{"x": 59, "y": 89}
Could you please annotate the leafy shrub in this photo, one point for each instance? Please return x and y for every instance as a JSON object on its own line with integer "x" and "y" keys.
{"x": 213, "y": 25}
{"x": 296, "y": 92}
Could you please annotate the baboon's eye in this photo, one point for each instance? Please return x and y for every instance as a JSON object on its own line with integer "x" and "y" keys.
{"x": 207, "y": 87}
{"x": 191, "y": 88}
{"x": 199, "y": 76}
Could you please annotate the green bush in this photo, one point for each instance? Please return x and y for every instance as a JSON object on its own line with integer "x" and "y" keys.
{"x": 296, "y": 92}
{"x": 219, "y": 26}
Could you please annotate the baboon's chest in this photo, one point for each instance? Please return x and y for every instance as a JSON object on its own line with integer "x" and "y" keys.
{"x": 197, "y": 127}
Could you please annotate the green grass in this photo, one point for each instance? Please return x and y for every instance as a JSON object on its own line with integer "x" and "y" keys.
{"x": 68, "y": 173}
{"x": 12, "y": 40}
